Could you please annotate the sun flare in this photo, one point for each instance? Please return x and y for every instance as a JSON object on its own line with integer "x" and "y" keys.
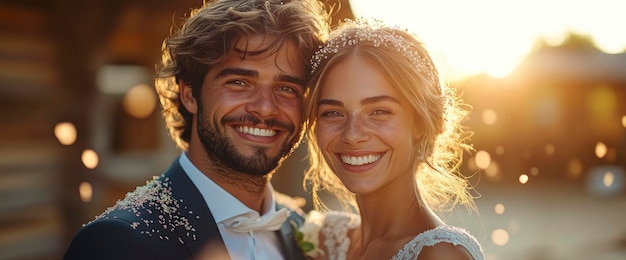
{"x": 494, "y": 36}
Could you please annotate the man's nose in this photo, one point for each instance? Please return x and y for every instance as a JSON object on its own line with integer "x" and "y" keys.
{"x": 263, "y": 103}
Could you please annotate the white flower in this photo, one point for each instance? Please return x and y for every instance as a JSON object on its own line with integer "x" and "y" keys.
{"x": 308, "y": 234}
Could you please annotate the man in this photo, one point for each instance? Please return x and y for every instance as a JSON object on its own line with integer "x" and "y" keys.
{"x": 231, "y": 83}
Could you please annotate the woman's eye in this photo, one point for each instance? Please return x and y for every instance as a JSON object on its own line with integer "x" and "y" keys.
{"x": 380, "y": 112}
{"x": 331, "y": 113}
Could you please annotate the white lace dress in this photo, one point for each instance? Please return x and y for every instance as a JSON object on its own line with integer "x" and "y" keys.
{"x": 336, "y": 225}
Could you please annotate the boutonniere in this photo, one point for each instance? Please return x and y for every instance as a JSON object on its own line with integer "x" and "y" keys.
{"x": 308, "y": 234}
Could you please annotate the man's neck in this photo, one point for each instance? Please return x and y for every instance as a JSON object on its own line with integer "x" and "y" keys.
{"x": 248, "y": 189}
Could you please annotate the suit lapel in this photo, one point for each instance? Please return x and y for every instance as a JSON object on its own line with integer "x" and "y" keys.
{"x": 289, "y": 246}
{"x": 202, "y": 234}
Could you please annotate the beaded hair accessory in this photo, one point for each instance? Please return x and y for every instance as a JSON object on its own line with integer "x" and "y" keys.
{"x": 376, "y": 33}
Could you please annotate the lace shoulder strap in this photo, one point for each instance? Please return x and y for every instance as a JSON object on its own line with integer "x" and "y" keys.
{"x": 443, "y": 234}
{"x": 335, "y": 230}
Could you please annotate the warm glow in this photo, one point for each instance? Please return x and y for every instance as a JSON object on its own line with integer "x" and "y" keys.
{"x": 499, "y": 150}
{"x": 493, "y": 36}
{"x": 490, "y": 117}
{"x": 523, "y": 179}
{"x": 499, "y": 209}
{"x": 483, "y": 159}
{"x": 500, "y": 237}
{"x": 90, "y": 158}
{"x": 624, "y": 121}
{"x": 140, "y": 101}
{"x": 608, "y": 179}
{"x": 65, "y": 133}
{"x": 601, "y": 150}
{"x": 493, "y": 171}
{"x": 550, "y": 149}
{"x": 575, "y": 168}
{"x": 534, "y": 171}
{"x": 86, "y": 191}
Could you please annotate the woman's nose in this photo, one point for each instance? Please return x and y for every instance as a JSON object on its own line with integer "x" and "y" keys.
{"x": 354, "y": 131}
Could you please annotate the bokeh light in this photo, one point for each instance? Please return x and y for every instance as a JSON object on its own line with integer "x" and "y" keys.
{"x": 500, "y": 237}
{"x": 575, "y": 168}
{"x": 493, "y": 171}
{"x": 483, "y": 159}
{"x": 90, "y": 158}
{"x": 140, "y": 101}
{"x": 523, "y": 179}
{"x": 499, "y": 209}
{"x": 534, "y": 171}
{"x": 500, "y": 150}
{"x": 606, "y": 181}
{"x": 601, "y": 150}
{"x": 549, "y": 149}
{"x": 86, "y": 191}
{"x": 490, "y": 117}
{"x": 624, "y": 121}
{"x": 65, "y": 132}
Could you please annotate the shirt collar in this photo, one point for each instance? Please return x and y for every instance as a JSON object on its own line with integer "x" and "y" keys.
{"x": 221, "y": 203}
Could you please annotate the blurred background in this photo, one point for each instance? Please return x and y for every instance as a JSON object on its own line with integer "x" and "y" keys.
{"x": 80, "y": 124}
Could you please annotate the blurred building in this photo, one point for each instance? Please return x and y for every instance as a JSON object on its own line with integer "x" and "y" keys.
{"x": 80, "y": 124}
{"x": 559, "y": 115}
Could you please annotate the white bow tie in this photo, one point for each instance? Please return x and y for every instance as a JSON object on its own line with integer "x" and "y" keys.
{"x": 251, "y": 221}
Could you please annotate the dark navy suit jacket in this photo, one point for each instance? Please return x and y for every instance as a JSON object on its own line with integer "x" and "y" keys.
{"x": 165, "y": 219}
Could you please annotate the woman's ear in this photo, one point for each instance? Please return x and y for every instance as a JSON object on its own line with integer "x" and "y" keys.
{"x": 186, "y": 97}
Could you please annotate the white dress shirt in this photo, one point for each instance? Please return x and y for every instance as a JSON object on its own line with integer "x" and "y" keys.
{"x": 259, "y": 245}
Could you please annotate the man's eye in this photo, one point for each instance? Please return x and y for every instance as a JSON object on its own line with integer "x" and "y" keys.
{"x": 236, "y": 82}
{"x": 287, "y": 89}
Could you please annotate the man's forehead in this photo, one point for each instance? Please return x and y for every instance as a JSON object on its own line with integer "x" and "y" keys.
{"x": 257, "y": 43}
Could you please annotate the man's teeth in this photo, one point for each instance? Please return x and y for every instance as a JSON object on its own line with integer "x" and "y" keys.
{"x": 256, "y": 131}
{"x": 360, "y": 160}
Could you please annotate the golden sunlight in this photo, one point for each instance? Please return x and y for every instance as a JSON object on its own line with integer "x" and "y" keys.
{"x": 90, "y": 158}
{"x": 65, "y": 132}
{"x": 624, "y": 121}
{"x": 494, "y": 36}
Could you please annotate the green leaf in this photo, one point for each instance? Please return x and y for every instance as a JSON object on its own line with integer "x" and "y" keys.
{"x": 307, "y": 246}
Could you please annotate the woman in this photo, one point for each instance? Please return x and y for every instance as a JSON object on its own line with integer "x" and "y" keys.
{"x": 385, "y": 138}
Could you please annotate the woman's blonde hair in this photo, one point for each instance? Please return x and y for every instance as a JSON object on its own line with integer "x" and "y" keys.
{"x": 406, "y": 64}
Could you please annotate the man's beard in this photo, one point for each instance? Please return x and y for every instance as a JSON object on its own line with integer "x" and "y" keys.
{"x": 220, "y": 148}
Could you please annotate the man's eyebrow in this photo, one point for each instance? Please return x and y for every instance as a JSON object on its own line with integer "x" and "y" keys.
{"x": 253, "y": 73}
{"x": 236, "y": 71}
{"x": 291, "y": 79}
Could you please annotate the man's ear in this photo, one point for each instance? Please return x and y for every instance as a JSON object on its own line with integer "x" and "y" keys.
{"x": 186, "y": 97}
